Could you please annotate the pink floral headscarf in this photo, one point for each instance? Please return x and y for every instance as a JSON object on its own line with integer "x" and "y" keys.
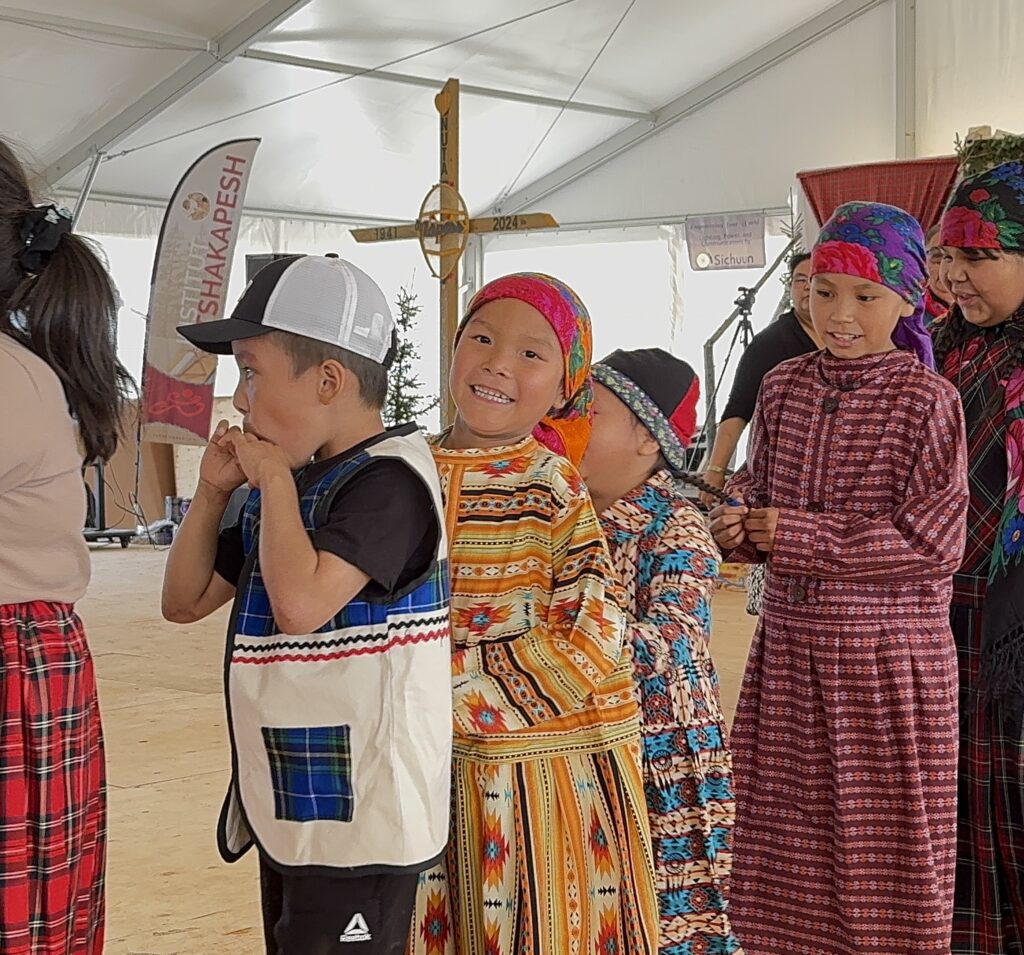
{"x": 566, "y": 431}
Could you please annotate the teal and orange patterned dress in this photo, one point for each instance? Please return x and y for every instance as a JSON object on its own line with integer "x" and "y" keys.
{"x": 663, "y": 552}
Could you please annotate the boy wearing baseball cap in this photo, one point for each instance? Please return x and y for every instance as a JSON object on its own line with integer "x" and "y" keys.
{"x": 338, "y": 663}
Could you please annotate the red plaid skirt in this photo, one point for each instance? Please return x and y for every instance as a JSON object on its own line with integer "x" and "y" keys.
{"x": 52, "y": 785}
{"x": 988, "y": 918}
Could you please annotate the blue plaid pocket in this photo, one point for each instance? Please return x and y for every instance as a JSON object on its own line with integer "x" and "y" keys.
{"x": 311, "y": 771}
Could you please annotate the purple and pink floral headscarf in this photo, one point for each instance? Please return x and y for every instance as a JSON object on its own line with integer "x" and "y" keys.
{"x": 883, "y": 244}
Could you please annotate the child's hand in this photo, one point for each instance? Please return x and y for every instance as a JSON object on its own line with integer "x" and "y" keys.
{"x": 259, "y": 460}
{"x": 219, "y": 468}
{"x": 761, "y": 525}
{"x": 727, "y": 526}
{"x": 715, "y": 479}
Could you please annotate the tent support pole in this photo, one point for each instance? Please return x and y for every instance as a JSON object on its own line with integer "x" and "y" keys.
{"x": 83, "y": 195}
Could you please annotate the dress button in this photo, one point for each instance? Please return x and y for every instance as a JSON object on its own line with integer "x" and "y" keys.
{"x": 830, "y": 405}
{"x": 799, "y": 593}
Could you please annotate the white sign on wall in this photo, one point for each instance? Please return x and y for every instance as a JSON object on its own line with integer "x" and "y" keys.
{"x": 726, "y": 242}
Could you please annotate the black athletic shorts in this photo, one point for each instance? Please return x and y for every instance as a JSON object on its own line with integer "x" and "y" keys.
{"x": 325, "y": 915}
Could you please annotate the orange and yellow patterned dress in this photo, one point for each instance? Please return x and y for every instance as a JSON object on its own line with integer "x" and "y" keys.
{"x": 550, "y": 850}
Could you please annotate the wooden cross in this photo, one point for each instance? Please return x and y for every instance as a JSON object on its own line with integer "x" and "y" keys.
{"x": 443, "y": 228}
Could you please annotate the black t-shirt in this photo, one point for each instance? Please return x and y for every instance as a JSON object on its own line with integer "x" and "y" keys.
{"x": 780, "y": 341}
{"x": 381, "y": 521}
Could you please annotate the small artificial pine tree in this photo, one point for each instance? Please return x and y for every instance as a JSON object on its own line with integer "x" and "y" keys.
{"x": 793, "y": 229}
{"x": 983, "y": 150}
{"x": 405, "y": 401}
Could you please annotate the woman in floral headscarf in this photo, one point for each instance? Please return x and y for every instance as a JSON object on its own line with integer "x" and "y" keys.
{"x": 980, "y": 348}
{"x": 550, "y": 849}
{"x": 844, "y": 744}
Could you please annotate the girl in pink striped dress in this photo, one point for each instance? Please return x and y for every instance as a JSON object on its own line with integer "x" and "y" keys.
{"x": 845, "y": 741}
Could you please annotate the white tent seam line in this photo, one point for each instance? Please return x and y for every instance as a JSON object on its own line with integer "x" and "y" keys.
{"x": 344, "y": 79}
{"x": 468, "y": 89}
{"x": 668, "y": 115}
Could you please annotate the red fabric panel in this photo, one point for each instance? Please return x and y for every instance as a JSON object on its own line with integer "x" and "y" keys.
{"x": 684, "y": 418}
{"x": 171, "y": 401}
{"x": 921, "y": 186}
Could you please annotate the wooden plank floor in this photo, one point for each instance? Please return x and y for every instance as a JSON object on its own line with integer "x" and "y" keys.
{"x": 163, "y": 711}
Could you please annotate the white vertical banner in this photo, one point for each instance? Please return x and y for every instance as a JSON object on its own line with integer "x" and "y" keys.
{"x": 190, "y": 283}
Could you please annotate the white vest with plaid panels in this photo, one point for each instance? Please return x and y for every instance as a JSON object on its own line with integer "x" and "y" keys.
{"x": 341, "y": 739}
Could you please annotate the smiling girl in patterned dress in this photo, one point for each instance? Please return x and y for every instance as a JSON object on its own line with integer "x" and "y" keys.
{"x": 550, "y": 846}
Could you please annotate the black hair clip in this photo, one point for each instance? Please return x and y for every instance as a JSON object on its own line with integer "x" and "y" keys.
{"x": 41, "y": 232}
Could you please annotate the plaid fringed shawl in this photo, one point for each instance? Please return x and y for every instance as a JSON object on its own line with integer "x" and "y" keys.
{"x": 1002, "y": 647}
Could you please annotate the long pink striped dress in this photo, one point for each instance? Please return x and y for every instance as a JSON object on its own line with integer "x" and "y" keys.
{"x": 845, "y": 741}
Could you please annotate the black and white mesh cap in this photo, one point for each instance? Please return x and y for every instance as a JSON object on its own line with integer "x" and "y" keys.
{"x": 327, "y": 299}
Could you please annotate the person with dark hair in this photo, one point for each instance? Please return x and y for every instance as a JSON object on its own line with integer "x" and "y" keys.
{"x": 790, "y": 336}
{"x": 338, "y": 657}
{"x": 844, "y": 743}
{"x": 63, "y": 392}
{"x": 645, "y": 416}
{"x": 980, "y": 349}
{"x": 937, "y": 296}
{"x": 550, "y": 850}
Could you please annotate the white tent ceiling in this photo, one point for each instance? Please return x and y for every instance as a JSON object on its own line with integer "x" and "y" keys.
{"x": 364, "y": 145}
{"x": 698, "y": 107}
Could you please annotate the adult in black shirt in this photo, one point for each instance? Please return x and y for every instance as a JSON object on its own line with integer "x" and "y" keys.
{"x": 788, "y": 337}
